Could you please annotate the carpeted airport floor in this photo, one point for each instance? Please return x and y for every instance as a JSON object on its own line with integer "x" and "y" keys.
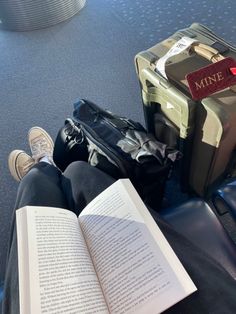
{"x": 90, "y": 56}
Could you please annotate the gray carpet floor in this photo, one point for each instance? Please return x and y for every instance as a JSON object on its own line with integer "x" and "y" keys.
{"x": 90, "y": 56}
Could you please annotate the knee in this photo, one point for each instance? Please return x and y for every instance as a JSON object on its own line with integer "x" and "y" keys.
{"x": 31, "y": 177}
{"x": 41, "y": 173}
{"x": 77, "y": 166}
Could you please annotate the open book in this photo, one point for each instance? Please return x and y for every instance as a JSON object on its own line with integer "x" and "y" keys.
{"x": 113, "y": 258}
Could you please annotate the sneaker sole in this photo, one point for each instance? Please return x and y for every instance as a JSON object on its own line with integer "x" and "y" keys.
{"x": 12, "y": 160}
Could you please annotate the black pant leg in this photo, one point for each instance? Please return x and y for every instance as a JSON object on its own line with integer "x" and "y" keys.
{"x": 41, "y": 186}
{"x": 81, "y": 183}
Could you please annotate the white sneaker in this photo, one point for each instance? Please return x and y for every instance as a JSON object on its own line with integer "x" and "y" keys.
{"x": 41, "y": 143}
{"x": 19, "y": 164}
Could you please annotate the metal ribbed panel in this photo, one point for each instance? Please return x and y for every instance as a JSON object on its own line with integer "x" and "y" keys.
{"x": 24, "y": 15}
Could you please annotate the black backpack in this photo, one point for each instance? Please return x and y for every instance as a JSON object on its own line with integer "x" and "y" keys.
{"x": 118, "y": 146}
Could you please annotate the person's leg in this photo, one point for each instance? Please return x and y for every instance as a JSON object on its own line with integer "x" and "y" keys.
{"x": 81, "y": 183}
{"x": 41, "y": 186}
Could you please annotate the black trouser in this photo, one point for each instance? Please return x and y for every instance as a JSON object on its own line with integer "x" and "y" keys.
{"x": 44, "y": 185}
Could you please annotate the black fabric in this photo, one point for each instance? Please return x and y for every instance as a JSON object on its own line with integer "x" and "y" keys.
{"x": 118, "y": 146}
{"x": 79, "y": 184}
{"x": 41, "y": 186}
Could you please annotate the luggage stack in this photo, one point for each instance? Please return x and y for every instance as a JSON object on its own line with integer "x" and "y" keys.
{"x": 205, "y": 130}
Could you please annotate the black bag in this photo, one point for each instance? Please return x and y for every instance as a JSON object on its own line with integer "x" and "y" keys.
{"x": 118, "y": 146}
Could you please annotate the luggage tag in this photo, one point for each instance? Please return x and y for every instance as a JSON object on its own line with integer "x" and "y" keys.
{"x": 212, "y": 78}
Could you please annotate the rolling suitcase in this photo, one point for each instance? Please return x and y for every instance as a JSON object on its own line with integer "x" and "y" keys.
{"x": 205, "y": 131}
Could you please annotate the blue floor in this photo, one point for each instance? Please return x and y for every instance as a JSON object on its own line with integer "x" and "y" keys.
{"x": 90, "y": 56}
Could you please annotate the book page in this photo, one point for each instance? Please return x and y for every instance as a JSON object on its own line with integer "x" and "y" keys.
{"x": 61, "y": 275}
{"x": 137, "y": 269}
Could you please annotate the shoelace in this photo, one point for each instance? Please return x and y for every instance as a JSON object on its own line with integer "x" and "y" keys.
{"x": 39, "y": 146}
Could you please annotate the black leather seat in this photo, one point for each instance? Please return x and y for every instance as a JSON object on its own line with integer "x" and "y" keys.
{"x": 224, "y": 198}
{"x": 196, "y": 221}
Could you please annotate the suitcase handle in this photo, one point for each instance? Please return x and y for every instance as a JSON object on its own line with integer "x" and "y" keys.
{"x": 207, "y": 52}
{"x": 200, "y": 49}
